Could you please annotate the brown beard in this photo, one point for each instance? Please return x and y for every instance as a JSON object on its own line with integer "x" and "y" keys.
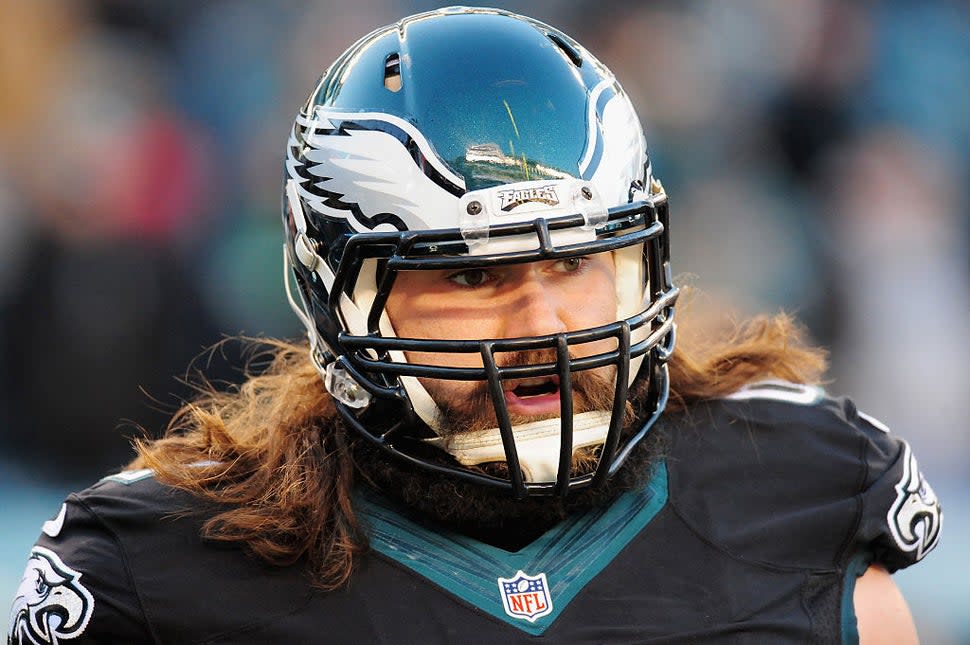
{"x": 490, "y": 515}
{"x": 592, "y": 391}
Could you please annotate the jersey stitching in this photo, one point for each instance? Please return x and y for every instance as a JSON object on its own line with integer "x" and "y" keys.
{"x": 209, "y": 639}
{"x": 441, "y": 590}
{"x": 711, "y": 542}
{"x": 124, "y": 561}
{"x": 217, "y": 638}
{"x": 860, "y": 487}
{"x": 803, "y": 602}
{"x": 831, "y": 412}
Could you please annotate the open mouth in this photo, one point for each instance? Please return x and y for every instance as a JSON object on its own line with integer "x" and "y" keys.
{"x": 534, "y": 396}
{"x": 531, "y": 388}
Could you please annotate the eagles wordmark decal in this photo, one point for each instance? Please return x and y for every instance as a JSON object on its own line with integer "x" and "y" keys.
{"x": 51, "y": 605}
{"x": 914, "y": 518}
{"x": 516, "y": 197}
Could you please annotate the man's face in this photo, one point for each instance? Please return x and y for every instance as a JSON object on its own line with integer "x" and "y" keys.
{"x": 512, "y": 301}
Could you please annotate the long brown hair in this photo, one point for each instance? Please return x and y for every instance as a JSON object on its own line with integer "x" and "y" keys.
{"x": 274, "y": 456}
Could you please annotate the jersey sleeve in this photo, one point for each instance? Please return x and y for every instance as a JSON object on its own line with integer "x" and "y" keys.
{"x": 784, "y": 475}
{"x": 901, "y": 515}
{"x": 76, "y": 586}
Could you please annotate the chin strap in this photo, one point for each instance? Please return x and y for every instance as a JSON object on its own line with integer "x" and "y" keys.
{"x": 537, "y": 444}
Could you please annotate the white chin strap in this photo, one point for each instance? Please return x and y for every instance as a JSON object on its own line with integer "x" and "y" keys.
{"x": 537, "y": 444}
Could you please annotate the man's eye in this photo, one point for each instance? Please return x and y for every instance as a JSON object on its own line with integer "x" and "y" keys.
{"x": 569, "y": 265}
{"x": 470, "y": 277}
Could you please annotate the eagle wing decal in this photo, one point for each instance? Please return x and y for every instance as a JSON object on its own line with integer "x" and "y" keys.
{"x": 374, "y": 170}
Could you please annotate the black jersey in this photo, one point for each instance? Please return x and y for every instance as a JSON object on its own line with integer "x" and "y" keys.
{"x": 753, "y": 529}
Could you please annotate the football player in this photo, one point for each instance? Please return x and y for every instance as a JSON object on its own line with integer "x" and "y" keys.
{"x": 489, "y": 436}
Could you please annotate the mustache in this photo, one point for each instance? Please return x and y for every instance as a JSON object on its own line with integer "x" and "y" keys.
{"x": 592, "y": 389}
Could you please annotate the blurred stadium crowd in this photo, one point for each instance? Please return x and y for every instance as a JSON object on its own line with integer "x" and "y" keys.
{"x": 817, "y": 153}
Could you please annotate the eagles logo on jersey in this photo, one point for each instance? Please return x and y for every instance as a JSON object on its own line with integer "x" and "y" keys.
{"x": 915, "y": 518}
{"x": 51, "y": 604}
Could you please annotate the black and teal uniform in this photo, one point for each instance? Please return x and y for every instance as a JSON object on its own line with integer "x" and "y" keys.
{"x": 753, "y": 528}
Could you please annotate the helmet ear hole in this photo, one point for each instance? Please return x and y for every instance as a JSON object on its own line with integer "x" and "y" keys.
{"x": 392, "y": 72}
{"x": 567, "y": 49}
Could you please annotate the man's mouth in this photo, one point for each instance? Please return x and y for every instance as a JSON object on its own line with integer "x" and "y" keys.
{"x": 533, "y": 396}
{"x": 536, "y": 387}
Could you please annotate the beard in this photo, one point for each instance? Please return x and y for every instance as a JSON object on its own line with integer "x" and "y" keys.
{"x": 592, "y": 390}
{"x": 474, "y": 412}
{"x": 491, "y": 515}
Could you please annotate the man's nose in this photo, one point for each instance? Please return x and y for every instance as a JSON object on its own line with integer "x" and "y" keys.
{"x": 535, "y": 310}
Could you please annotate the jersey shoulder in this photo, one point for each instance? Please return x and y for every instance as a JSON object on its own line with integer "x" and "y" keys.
{"x": 77, "y": 583}
{"x": 791, "y": 476}
{"x": 132, "y": 493}
{"x": 125, "y": 560}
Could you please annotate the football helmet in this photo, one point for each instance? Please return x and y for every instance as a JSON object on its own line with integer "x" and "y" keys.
{"x": 468, "y": 137}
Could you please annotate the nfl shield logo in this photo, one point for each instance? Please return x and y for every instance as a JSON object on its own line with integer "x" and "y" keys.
{"x": 525, "y": 596}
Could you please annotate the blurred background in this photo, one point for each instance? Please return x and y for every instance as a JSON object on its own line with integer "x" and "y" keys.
{"x": 817, "y": 154}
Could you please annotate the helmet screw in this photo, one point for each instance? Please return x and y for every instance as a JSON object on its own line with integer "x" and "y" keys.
{"x": 474, "y": 208}
{"x": 587, "y": 193}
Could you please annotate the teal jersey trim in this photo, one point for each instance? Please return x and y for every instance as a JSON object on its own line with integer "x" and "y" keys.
{"x": 570, "y": 554}
{"x": 856, "y": 567}
{"x": 129, "y": 477}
